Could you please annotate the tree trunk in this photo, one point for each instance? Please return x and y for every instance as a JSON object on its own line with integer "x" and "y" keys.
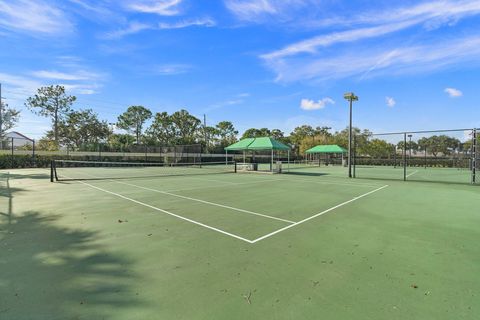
{"x": 56, "y": 126}
{"x": 138, "y": 135}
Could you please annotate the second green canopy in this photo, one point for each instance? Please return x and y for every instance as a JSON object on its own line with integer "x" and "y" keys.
{"x": 328, "y": 148}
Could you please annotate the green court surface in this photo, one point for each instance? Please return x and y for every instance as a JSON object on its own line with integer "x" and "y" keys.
{"x": 311, "y": 244}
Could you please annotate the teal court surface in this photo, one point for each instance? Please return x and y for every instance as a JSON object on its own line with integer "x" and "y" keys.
{"x": 157, "y": 243}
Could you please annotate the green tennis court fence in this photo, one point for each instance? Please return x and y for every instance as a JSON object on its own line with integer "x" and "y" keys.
{"x": 436, "y": 156}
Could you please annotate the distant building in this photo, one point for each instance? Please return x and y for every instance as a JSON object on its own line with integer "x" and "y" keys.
{"x": 19, "y": 140}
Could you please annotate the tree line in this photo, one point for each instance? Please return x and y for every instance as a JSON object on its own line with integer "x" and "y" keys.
{"x": 82, "y": 129}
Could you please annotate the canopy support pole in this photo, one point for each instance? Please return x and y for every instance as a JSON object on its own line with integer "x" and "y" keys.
{"x": 288, "y": 160}
{"x": 271, "y": 165}
{"x": 226, "y": 157}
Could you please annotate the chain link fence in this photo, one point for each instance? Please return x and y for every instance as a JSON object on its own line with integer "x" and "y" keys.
{"x": 433, "y": 156}
{"x": 26, "y": 153}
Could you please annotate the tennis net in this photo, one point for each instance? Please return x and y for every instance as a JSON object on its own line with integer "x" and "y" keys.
{"x": 64, "y": 170}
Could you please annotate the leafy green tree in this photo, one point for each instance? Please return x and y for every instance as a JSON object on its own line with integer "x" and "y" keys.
{"x": 300, "y": 133}
{"x": 133, "y": 120}
{"x": 378, "y": 148}
{"x": 227, "y": 133}
{"x": 211, "y": 134}
{"x": 83, "y": 128}
{"x": 256, "y": 133}
{"x": 277, "y": 134}
{"x": 46, "y": 144}
{"x": 120, "y": 142}
{"x": 360, "y": 139}
{"x": 8, "y": 119}
{"x": 323, "y": 131}
{"x": 162, "y": 129}
{"x": 51, "y": 102}
{"x": 439, "y": 144}
{"x": 186, "y": 127}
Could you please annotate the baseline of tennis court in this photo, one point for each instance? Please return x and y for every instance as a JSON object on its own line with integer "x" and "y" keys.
{"x": 250, "y": 208}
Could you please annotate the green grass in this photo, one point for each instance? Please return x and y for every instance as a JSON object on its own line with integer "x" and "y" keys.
{"x": 101, "y": 249}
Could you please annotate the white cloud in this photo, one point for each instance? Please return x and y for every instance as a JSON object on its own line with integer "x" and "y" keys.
{"x": 390, "y": 102}
{"x": 374, "y": 61}
{"x": 56, "y": 75}
{"x": 136, "y": 27}
{"x": 312, "y": 58}
{"x": 432, "y": 14}
{"x": 160, "y": 7}
{"x": 307, "y": 104}
{"x": 36, "y": 17}
{"x": 205, "y": 22}
{"x": 132, "y": 28}
{"x": 171, "y": 69}
{"x": 453, "y": 93}
{"x": 256, "y": 10}
{"x": 246, "y": 10}
{"x": 313, "y": 44}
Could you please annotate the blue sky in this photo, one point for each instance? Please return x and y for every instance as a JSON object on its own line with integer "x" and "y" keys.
{"x": 258, "y": 63}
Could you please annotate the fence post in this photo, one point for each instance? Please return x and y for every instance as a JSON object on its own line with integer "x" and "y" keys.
{"x": 146, "y": 153}
{"x": 354, "y": 156}
{"x": 474, "y": 156}
{"x": 405, "y": 156}
{"x": 425, "y": 157}
{"x": 33, "y": 152}
{"x": 13, "y": 160}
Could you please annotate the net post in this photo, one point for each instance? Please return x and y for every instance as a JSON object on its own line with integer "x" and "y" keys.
{"x": 51, "y": 171}
{"x": 235, "y": 166}
{"x": 404, "y": 156}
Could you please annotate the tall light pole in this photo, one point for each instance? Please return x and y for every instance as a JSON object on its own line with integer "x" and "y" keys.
{"x": 350, "y": 96}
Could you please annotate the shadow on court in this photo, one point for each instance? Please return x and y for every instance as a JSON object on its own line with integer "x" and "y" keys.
{"x": 52, "y": 272}
{"x": 306, "y": 173}
{"x": 34, "y": 176}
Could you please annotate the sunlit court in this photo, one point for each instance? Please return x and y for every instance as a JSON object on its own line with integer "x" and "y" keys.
{"x": 239, "y": 160}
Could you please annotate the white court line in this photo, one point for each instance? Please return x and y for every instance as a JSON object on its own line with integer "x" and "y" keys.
{"x": 205, "y": 202}
{"x": 167, "y": 212}
{"x": 212, "y": 187}
{"x": 225, "y": 232}
{"x": 411, "y": 174}
{"x": 211, "y": 180}
{"x": 363, "y": 185}
{"x": 197, "y": 200}
{"x": 317, "y": 215}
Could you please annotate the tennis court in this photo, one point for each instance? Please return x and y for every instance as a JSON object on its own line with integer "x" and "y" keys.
{"x": 203, "y": 242}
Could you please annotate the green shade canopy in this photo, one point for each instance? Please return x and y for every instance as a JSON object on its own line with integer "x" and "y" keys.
{"x": 240, "y": 145}
{"x": 330, "y": 148}
{"x": 264, "y": 143}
